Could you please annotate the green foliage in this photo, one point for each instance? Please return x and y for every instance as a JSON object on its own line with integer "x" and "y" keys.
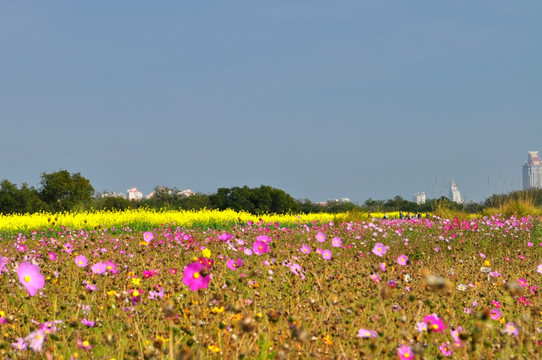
{"x": 112, "y": 203}
{"x": 23, "y": 200}
{"x": 264, "y": 199}
{"x": 63, "y": 191}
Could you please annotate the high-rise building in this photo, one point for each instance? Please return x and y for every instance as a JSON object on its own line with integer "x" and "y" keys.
{"x": 455, "y": 195}
{"x": 134, "y": 194}
{"x": 532, "y": 172}
{"x": 419, "y": 198}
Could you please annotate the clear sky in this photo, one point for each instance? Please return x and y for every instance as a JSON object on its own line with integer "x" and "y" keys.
{"x": 322, "y": 99}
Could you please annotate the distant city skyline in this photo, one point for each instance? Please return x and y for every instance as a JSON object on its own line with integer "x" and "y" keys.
{"x": 322, "y": 99}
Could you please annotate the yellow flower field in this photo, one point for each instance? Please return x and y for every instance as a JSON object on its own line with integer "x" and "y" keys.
{"x": 141, "y": 219}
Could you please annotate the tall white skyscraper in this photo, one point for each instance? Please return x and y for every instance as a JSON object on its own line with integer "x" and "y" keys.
{"x": 455, "y": 195}
{"x": 532, "y": 172}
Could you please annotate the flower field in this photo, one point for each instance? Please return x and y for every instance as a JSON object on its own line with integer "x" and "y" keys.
{"x": 77, "y": 286}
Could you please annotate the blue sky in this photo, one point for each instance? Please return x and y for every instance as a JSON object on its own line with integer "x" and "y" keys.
{"x": 323, "y": 99}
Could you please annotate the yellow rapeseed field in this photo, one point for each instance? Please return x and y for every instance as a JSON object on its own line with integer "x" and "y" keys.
{"x": 142, "y": 219}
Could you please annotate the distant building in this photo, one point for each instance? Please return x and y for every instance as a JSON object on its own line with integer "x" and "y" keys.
{"x": 532, "y": 172}
{"x": 186, "y": 192}
{"x": 134, "y": 194}
{"x": 455, "y": 195}
{"x": 419, "y": 198}
{"x": 113, "y": 194}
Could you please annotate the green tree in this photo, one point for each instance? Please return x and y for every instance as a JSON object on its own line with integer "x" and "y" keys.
{"x": 63, "y": 191}
{"x": 24, "y": 200}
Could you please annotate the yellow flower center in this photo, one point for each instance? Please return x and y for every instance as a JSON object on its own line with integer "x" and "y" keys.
{"x": 196, "y": 275}
{"x": 27, "y": 278}
{"x": 406, "y": 355}
{"x": 259, "y": 248}
{"x": 85, "y": 343}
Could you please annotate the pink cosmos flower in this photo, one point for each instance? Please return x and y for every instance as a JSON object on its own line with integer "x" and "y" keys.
{"x": 382, "y": 267}
{"x": 148, "y": 236}
{"x": 405, "y": 352}
{"x": 327, "y": 254}
{"x": 375, "y": 277}
{"x": 421, "y": 327}
{"x": 305, "y": 249}
{"x": 539, "y": 269}
{"x": 153, "y": 295}
{"x": 111, "y": 266}
{"x": 522, "y": 282}
{"x": 225, "y": 236}
{"x": 52, "y": 256}
{"x": 336, "y": 242}
{"x": 35, "y": 340}
{"x": 195, "y": 276}
{"x": 266, "y": 239}
{"x": 495, "y": 314}
{"x": 99, "y": 268}
{"x": 380, "y": 249}
{"x": 445, "y": 349}
{"x": 233, "y": 265}
{"x": 402, "y": 260}
{"x": 362, "y": 333}
{"x": 296, "y": 269}
{"x": 19, "y": 345}
{"x": 81, "y": 261}
{"x": 511, "y": 329}
{"x": 91, "y": 287}
{"x": 88, "y": 323}
{"x": 85, "y": 345}
{"x": 30, "y": 277}
{"x": 321, "y": 237}
{"x": 260, "y": 247}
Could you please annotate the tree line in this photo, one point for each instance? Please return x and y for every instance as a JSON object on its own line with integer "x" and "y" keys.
{"x": 61, "y": 191}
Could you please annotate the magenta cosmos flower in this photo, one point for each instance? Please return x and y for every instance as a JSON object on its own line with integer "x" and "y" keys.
{"x": 380, "y": 249}
{"x": 225, "y": 236}
{"x": 260, "y": 247}
{"x": 405, "y": 352}
{"x": 81, "y": 261}
{"x": 305, "y": 249}
{"x": 30, "y": 277}
{"x": 233, "y": 265}
{"x": 194, "y": 278}
{"x": 434, "y": 323}
{"x": 327, "y": 254}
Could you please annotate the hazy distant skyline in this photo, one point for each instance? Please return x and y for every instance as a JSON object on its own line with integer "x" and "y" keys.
{"x": 357, "y": 99}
